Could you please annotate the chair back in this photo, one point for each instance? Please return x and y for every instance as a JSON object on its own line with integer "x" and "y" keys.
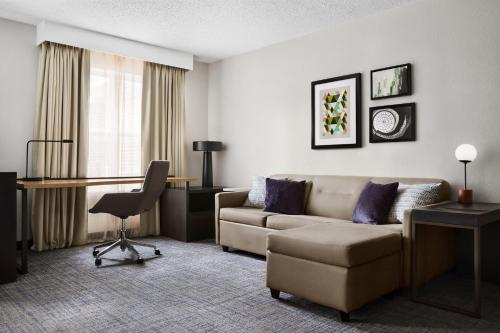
{"x": 154, "y": 183}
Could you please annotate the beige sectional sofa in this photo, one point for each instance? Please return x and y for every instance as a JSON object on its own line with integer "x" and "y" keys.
{"x": 350, "y": 248}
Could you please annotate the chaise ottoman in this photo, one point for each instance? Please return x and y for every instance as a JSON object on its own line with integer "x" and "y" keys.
{"x": 343, "y": 266}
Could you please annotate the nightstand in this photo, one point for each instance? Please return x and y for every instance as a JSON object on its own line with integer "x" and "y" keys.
{"x": 454, "y": 215}
{"x": 188, "y": 214}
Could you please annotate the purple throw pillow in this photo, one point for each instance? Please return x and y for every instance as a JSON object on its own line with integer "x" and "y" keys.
{"x": 374, "y": 203}
{"x": 284, "y": 196}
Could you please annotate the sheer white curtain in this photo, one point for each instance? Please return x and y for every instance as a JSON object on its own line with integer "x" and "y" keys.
{"x": 114, "y": 134}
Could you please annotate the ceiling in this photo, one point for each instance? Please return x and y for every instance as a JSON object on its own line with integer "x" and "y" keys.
{"x": 209, "y": 29}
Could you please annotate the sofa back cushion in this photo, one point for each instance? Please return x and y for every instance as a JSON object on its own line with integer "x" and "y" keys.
{"x": 336, "y": 196}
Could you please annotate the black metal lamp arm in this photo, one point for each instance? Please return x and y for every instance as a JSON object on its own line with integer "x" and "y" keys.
{"x": 44, "y": 141}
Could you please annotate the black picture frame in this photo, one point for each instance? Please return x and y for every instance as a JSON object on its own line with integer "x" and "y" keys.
{"x": 407, "y": 82}
{"x": 357, "y": 111}
{"x": 409, "y": 134}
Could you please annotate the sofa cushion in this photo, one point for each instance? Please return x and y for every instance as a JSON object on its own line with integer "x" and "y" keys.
{"x": 283, "y": 222}
{"x": 285, "y": 196}
{"x": 410, "y": 196}
{"x": 374, "y": 203}
{"x": 335, "y": 196}
{"x": 257, "y": 194}
{"x": 339, "y": 244}
{"x": 245, "y": 215}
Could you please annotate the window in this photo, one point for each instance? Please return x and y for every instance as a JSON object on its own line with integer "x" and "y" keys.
{"x": 114, "y": 133}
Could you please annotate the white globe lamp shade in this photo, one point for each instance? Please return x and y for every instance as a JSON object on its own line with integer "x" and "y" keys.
{"x": 466, "y": 153}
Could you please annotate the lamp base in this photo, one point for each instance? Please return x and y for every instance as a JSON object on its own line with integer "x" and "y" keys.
{"x": 465, "y": 196}
{"x": 207, "y": 180}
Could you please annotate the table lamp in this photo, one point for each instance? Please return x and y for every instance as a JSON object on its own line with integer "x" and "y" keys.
{"x": 207, "y": 147}
{"x": 27, "y": 153}
{"x": 465, "y": 153}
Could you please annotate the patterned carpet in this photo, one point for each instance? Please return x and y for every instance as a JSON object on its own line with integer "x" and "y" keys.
{"x": 195, "y": 287}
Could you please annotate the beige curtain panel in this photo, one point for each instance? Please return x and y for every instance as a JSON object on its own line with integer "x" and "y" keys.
{"x": 163, "y": 114}
{"x": 59, "y": 216}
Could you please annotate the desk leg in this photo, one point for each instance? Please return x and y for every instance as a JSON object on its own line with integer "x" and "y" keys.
{"x": 477, "y": 272}
{"x": 413, "y": 251}
{"x": 24, "y": 232}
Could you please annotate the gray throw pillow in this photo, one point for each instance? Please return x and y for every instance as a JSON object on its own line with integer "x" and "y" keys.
{"x": 412, "y": 196}
{"x": 257, "y": 194}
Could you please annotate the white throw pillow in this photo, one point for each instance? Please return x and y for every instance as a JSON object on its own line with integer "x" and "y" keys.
{"x": 412, "y": 196}
{"x": 257, "y": 194}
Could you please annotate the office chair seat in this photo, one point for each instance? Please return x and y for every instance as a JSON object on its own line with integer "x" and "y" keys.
{"x": 126, "y": 204}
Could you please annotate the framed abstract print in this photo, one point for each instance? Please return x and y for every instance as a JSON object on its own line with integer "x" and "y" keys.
{"x": 336, "y": 112}
{"x": 392, "y": 123}
{"x": 391, "y": 81}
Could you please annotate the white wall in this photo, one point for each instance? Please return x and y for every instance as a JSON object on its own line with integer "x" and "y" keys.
{"x": 259, "y": 103}
{"x": 196, "y": 118}
{"x": 18, "y": 67}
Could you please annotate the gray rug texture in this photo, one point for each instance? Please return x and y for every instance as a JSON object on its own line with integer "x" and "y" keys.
{"x": 195, "y": 287}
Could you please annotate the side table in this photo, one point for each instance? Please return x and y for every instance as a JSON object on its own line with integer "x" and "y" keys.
{"x": 188, "y": 214}
{"x": 455, "y": 215}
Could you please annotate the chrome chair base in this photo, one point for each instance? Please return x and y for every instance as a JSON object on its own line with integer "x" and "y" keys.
{"x": 125, "y": 244}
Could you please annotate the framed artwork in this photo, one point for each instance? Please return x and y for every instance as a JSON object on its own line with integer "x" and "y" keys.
{"x": 391, "y": 81}
{"x": 392, "y": 123}
{"x": 336, "y": 112}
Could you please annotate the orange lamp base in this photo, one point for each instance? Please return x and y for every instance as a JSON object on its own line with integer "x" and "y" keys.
{"x": 465, "y": 196}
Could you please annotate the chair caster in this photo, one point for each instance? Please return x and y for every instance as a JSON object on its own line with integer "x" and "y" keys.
{"x": 157, "y": 252}
{"x": 140, "y": 261}
{"x": 95, "y": 253}
{"x": 98, "y": 261}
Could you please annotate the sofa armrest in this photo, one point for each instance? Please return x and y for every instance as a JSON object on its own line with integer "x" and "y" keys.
{"x": 435, "y": 246}
{"x": 227, "y": 199}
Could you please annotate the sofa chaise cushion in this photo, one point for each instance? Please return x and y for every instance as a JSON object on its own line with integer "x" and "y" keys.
{"x": 339, "y": 244}
{"x": 245, "y": 215}
{"x": 283, "y": 222}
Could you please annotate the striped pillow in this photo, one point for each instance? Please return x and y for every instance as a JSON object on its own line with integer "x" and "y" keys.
{"x": 412, "y": 196}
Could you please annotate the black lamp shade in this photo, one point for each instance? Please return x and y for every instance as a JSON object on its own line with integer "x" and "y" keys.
{"x": 207, "y": 146}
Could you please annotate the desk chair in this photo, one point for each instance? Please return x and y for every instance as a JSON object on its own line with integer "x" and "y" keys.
{"x": 127, "y": 204}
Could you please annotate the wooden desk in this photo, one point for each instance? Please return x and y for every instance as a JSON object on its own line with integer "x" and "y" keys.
{"x": 25, "y": 185}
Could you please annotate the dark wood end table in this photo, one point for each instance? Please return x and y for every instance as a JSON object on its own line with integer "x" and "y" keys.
{"x": 188, "y": 214}
{"x": 455, "y": 215}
